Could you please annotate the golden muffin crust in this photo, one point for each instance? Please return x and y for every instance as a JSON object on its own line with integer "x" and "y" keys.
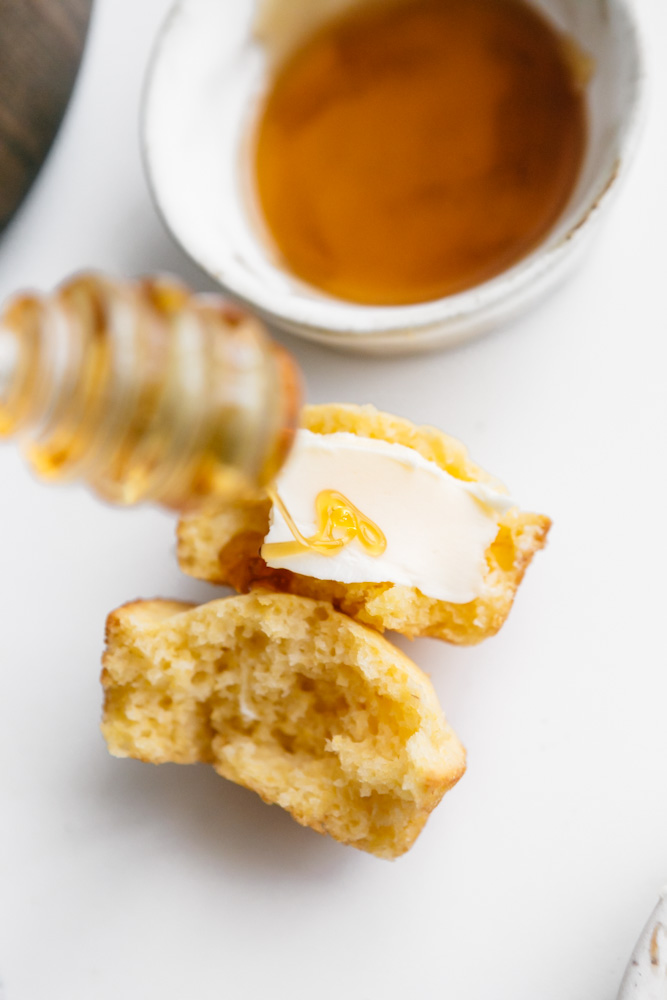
{"x": 222, "y": 545}
{"x": 286, "y": 696}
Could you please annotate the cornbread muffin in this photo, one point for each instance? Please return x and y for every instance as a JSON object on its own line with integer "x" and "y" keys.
{"x": 222, "y": 545}
{"x": 286, "y": 696}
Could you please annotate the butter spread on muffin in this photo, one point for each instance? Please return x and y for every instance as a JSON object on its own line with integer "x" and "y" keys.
{"x": 222, "y": 544}
{"x": 355, "y": 509}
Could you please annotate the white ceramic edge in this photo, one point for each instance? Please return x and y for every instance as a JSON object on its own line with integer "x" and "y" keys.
{"x": 646, "y": 975}
{"x": 444, "y": 322}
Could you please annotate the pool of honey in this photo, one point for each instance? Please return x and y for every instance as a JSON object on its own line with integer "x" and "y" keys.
{"x": 413, "y": 149}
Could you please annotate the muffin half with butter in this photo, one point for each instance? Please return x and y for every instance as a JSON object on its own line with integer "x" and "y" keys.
{"x": 390, "y": 522}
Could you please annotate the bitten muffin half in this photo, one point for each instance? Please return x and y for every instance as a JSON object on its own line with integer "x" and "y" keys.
{"x": 224, "y": 544}
{"x": 286, "y": 696}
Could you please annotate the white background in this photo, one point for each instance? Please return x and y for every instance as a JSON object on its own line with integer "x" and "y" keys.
{"x": 121, "y": 881}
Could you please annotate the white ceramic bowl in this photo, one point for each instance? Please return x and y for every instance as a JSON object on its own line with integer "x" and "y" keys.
{"x": 209, "y": 72}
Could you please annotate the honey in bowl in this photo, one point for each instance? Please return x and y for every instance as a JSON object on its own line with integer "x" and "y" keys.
{"x": 412, "y": 149}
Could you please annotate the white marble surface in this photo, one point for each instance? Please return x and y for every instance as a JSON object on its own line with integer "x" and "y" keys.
{"x": 535, "y": 876}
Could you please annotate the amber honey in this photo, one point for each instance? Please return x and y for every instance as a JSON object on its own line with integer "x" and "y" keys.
{"x": 145, "y": 391}
{"x": 338, "y": 522}
{"x": 413, "y": 149}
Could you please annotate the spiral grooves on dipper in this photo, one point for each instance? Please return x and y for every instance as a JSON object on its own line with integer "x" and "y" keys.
{"x": 145, "y": 391}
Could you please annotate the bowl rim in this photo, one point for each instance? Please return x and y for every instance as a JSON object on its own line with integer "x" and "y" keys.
{"x": 330, "y": 318}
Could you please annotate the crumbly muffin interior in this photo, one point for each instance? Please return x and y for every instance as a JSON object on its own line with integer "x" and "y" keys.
{"x": 284, "y": 695}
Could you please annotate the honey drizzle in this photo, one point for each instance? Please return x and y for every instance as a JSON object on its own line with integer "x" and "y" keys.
{"x": 334, "y": 513}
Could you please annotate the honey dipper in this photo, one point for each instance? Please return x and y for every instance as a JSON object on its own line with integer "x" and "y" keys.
{"x": 145, "y": 390}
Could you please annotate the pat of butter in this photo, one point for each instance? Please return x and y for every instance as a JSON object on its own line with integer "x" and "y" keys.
{"x": 437, "y": 528}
